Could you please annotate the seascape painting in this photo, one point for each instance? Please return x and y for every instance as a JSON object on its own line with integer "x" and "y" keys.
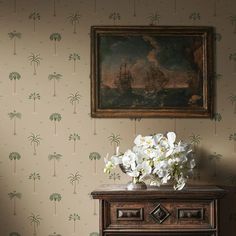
{"x": 161, "y": 71}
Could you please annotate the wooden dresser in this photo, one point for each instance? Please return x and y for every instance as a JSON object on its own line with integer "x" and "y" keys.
{"x": 162, "y": 211}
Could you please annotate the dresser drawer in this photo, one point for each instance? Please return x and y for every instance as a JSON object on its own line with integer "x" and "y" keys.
{"x": 161, "y": 214}
{"x": 160, "y": 234}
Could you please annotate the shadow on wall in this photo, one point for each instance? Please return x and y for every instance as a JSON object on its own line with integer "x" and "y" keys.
{"x": 210, "y": 171}
{"x": 228, "y": 212}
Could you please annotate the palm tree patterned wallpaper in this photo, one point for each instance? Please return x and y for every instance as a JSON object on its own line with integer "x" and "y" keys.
{"x": 51, "y": 150}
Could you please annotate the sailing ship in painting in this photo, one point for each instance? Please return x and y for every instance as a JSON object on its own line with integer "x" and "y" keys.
{"x": 155, "y": 80}
{"x": 160, "y": 89}
{"x": 162, "y": 80}
{"x": 124, "y": 79}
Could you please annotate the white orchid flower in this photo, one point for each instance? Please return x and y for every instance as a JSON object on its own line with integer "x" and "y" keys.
{"x": 151, "y": 153}
{"x": 155, "y": 181}
{"x": 109, "y": 165}
{"x": 157, "y": 138}
{"x": 134, "y": 173}
{"x": 164, "y": 143}
{"x": 171, "y": 136}
{"x": 146, "y": 169}
{"x": 117, "y": 150}
{"x": 157, "y": 157}
{"x": 116, "y": 160}
{"x": 138, "y": 141}
{"x": 128, "y": 158}
{"x": 146, "y": 141}
{"x": 180, "y": 183}
{"x": 161, "y": 164}
{"x": 192, "y": 164}
{"x": 165, "y": 178}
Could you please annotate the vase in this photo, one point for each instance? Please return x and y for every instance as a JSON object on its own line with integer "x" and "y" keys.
{"x": 136, "y": 185}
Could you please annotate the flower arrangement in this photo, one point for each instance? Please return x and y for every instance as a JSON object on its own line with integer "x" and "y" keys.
{"x": 158, "y": 158}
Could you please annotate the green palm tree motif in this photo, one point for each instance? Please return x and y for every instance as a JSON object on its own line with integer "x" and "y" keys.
{"x": 195, "y": 140}
{"x": 34, "y": 176}
{"x": 74, "y": 57}
{"x": 55, "y": 197}
{"x": 94, "y": 126}
{"x": 13, "y": 36}
{"x": 35, "y": 221}
{"x": 13, "y": 116}
{"x": 154, "y": 18}
{"x": 14, "y": 156}
{"x": 13, "y": 196}
{"x": 14, "y": 234}
{"x": 233, "y": 22}
{"x": 74, "y": 137}
{"x": 74, "y": 20}
{"x": 114, "y": 140}
{"x": 115, "y": 16}
{"x": 55, "y": 157}
{"x": 74, "y": 180}
{"x": 215, "y": 158}
{"x": 54, "y": 8}
{"x": 74, "y": 99}
{"x": 232, "y": 99}
{"x": 135, "y": 124}
{"x": 55, "y": 37}
{"x": 216, "y": 118}
{"x": 35, "y": 140}
{"x": 95, "y": 156}
{"x": 34, "y": 96}
{"x": 114, "y": 176}
{"x": 14, "y": 76}
{"x": 74, "y": 217}
{"x": 232, "y": 179}
{"x": 55, "y": 117}
{"x": 55, "y": 77}
{"x": 94, "y": 234}
{"x": 34, "y": 16}
{"x": 194, "y": 16}
{"x": 34, "y": 60}
{"x": 232, "y": 57}
{"x": 232, "y": 137}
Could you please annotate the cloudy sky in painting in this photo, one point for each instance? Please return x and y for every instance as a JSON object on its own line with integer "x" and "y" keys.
{"x": 168, "y": 53}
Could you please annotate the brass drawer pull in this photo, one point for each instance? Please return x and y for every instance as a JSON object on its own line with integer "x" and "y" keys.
{"x": 129, "y": 214}
{"x": 191, "y": 214}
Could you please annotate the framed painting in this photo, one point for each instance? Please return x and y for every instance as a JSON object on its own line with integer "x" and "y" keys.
{"x": 151, "y": 71}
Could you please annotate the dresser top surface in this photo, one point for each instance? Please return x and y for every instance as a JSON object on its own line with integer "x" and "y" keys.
{"x": 190, "y": 191}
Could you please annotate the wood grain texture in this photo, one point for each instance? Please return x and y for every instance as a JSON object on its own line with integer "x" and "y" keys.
{"x": 192, "y": 211}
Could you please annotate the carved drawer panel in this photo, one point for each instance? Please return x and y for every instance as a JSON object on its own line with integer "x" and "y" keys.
{"x": 160, "y": 234}
{"x": 167, "y": 214}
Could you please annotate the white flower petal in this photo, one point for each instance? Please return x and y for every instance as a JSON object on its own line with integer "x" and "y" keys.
{"x": 171, "y": 136}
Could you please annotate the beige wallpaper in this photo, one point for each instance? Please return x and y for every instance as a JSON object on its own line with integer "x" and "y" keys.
{"x": 51, "y": 151}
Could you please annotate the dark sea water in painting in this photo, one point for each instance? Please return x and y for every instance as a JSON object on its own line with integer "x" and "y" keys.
{"x": 111, "y": 98}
